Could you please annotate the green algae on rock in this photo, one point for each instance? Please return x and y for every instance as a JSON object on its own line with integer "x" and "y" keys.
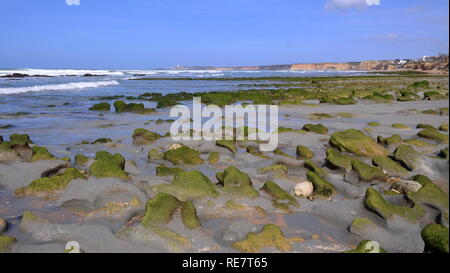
{"x": 443, "y": 153}
{"x": 434, "y": 135}
{"x": 316, "y": 128}
{"x": 282, "y": 199}
{"x": 40, "y": 153}
{"x": 103, "y": 106}
{"x": 108, "y": 165}
{"x": 227, "y": 144}
{"x": 304, "y": 152}
{"x": 417, "y": 143}
{"x": 102, "y": 140}
{"x": 377, "y": 97}
{"x": 361, "y": 226}
{"x": 154, "y": 154}
{"x": 434, "y": 95}
{"x": 400, "y": 126}
{"x": 435, "y": 237}
{"x": 122, "y": 107}
{"x": 183, "y": 155}
{"x": 49, "y": 185}
{"x": 190, "y": 185}
{"x": 425, "y": 126}
{"x": 391, "y": 167}
{"x": 374, "y": 124}
{"x": 376, "y": 203}
{"x": 237, "y": 183}
{"x": 20, "y": 140}
{"x": 443, "y": 127}
{"x": 189, "y": 215}
{"x": 280, "y": 170}
{"x": 338, "y": 159}
{"x": 321, "y": 186}
{"x": 367, "y": 172}
{"x": 357, "y": 142}
{"x": 167, "y": 171}
{"x": 214, "y": 158}
{"x": 256, "y": 152}
{"x": 270, "y": 236}
{"x": 143, "y": 136}
{"x": 406, "y": 155}
{"x": 6, "y": 243}
{"x": 394, "y": 139}
{"x": 310, "y": 165}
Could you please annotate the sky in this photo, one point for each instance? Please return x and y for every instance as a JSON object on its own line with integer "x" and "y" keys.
{"x": 146, "y": 34}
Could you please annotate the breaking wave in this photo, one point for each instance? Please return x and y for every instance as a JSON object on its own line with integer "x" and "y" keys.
{"x": 50, "y": 87}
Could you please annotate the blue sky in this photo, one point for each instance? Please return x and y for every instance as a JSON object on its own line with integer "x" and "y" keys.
{"x": 139, "y": 34}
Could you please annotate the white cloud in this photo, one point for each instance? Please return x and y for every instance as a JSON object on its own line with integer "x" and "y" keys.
{"x": 350, "y": 4}
{"x": 386, "y": 37}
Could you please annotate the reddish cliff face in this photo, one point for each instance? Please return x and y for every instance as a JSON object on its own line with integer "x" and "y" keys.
{"x": 366, "y": 65}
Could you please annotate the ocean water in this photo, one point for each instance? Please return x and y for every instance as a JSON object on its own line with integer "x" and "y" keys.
{"x": 54, "y": 110}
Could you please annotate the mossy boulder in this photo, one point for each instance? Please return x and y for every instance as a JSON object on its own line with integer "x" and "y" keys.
{"x": 121, "y": 107}
{"x": 367, "y": 246}
{"x": 434, "y": 135}
{"x": 279, "y": 170}
{"x": 338, "y": 159}
{"x": 81, "y": 159}
{"x": 143, "y": 136}
{"x": 444, "y": 127}
{"x": 374, "y": 124}
{"x": 6, "y": 243}
{"x": 270, "y": 236}
{"x": 361, "y": 226}
{"x": 316, "y": 128}
{"x": 377, "y": 97}
{"x": 408, "y": 96}
{"x": 189, "y": 215}
{"x": 20, "y": 140}
{"x": 394, "y": 139}
{"x": 190, "y": 185}
{"x": 310, "y": 165}
{"x": 435, "y": 237}
{"x": 282, "y": 199}
{"x": 391, "y": 167}
{"x": 425, "y": 126}
{"x": 103, "y": 106}
{"x": 102, "y": 140}
{"x": 400, "y": 126}
{"x": 304, "y": 152}
{"x": 376, "y": 203}
{"x": 183, "y": 155}
{"x": 321, "y": 186}
{"x": 345, "y": 101}
{"x": 237, "y": 183}
{"x": 167, "y": 171}
{"x": 434, "y": 95}
{"x": 40, "y": 153}
{"x": 417, "y": 143}
{"x": 108, "y": 165}
{"x": 154, "y": 154}
{"x": 367, "y": 172}
{"x": 357, "y": 142}
{"x": 421, "y": 84}
{"x": 408, "y": 157}
{"x": 227, "y": 144}
{"x": 443, "y": 153}
{"x": 254, "y": 150}
{"x": 214, "y": 158}
{"x": 49, "y": 185}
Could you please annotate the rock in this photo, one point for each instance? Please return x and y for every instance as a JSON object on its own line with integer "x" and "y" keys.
{"x": 49, "y": 185}
{"x": 316, "y": 128}
{"x": 103, "y": 106}
{"x": 357, "y": 142}
{"x": 310, "y": 165}
{"x": 227, "y": 144}
{"x": 81, "y": 159}
{"x": 409, "y": 158}
{"x": 282, "y": 199}
{"x": 345, "y": 101}
{"x": 400, "y": 126}
{"x": 214, "y": 158}
{"x": 389, "y": 166}
{"x": 102, "y": 140}
{"x": 154, "y": 154}
{"x": 304, "y": 152}
{"x": 366, "y": 172}
{"x": 256, "y": 152}
{"x": 339, "y": 160}
{"x": 138, "y": 108}
{"x": 367, "y": 246}
{"x": 167, "y": 171}
{"x": 434, "y": 135}
{"x": 236, "y": 183}
{"x": 270, "y": 236}
{"x": 361, "y": 226}
{"x": 443, "y": 153}
{"x": 6, "y": 242}
{"x": 189, "y": 216}
{"x": 108, "y": 165}
{"x": 405, "y": 186}
{"x": 425, "y": 126}
{"x": 436, "y": 237}
{"x": 41, "y": 153}
{"x": 175, "y": 146}
{"x": 394, "y": 139}
{"x": 304, "y": 189}
{"x": 3, "y": 225}
{"x": 279, "y": 170}
{"x": 190, "y": 185}
{"x": 376, "y": 203}
{"x": 444, "y": 128}
{"x": 434, "y": 95}
{"x": 183, "y": 155}
{"x": 8, "y": 155}
{"x": 321, "y": 186}
{"x": 143, "y": 136}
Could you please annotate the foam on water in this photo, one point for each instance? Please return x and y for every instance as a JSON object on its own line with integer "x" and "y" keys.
{"x": 60, "y": 72}
{"x": 51, "y": 87}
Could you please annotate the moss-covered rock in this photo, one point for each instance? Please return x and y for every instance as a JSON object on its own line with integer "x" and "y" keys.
{"x": 435, "y": 237}
{"x": 434, "y": 135}
{"x": 367, "y": 172}
{"x": 6, "y": 242}
{"x": 121, "y": 107}
{"x": 316, "y": 128}
{"x": 227, "y": 144}
{"x": 444, "y": 127}
{"x": 425, "y": 126}
{"x": 108, "y": 165}
{"x": 357, "y": 142}
{"x": 434, "y": 95}
{"x": 167, "y": 171}
{"x": 443, "y": 153}
{"x": 282, "y": 199}
{"x": 270, "y": 236}
{"x": 103, "y": 106}
{"x": 338, "y": 159}
{"x": 214, "y": 158}
{"x": 376, "y": 203}
{"x": 237, "y": 183}
{"x": 367, "y": 246}
{"x": 394, "y": 139}
{"x": 344, "y": 101}
{"x": 183, "y": 155}
{"x": 391, "y": 167}
{"x": 254, "y": 150}
{"x": 49, "y": 185}
{"x": 21, "y": 140}
{"x": 190, "y": 185}
{"x": 304, "y": 152}
{"x": 417, "y": 143}
{"x": 310, "y": 165}
{"x": 406, "y": 155}
{"x": 189, "y": 215}
{"x": 374, "y": 124}
{"x": 81, "y": 159}
{"x": 361, "y": 226}
{"x": 40, "y": 153}
{"x": 102, "y": 140}
{"x": 154, "y": 154}
{"x": 143, "y": 136}
{"x": 408, "y": 96}
{"x": 160, "y": 209}
{"x": 400, "y": 126}
{"x": 377, "y": 97}
{"x": 321, "y": 186}
{"x": 279, "y": 170}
